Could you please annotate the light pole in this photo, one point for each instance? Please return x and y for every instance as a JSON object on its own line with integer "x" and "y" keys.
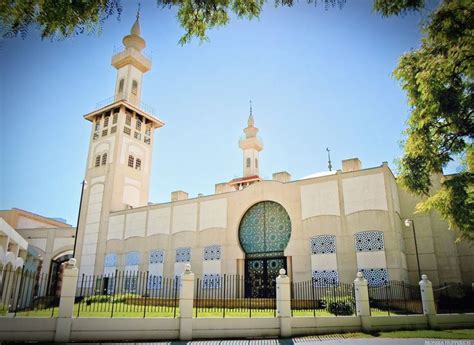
{"x": 408, "y": 223}
{"x": 84, "y": 184}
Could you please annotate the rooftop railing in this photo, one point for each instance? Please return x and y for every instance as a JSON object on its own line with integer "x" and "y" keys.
{"x": 118, "y": 50}
{"x": 125, "y": 97}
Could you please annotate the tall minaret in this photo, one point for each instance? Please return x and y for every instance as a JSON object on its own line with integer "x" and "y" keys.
{"x": 118, "y": 167}
{"x": 251, "y": 146}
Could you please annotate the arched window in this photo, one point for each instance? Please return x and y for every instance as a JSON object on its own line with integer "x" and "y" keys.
{"x": 134, "y": 87}
{"x": 104, "y": 159}
{"x": 131, "y": 160}
{"x": 97, "y": 161}
{"x": 138, "y": 164}
{"x": 120, "y": 89}
{"x": 248, "y": 163}
{"x": 256, "y": 163}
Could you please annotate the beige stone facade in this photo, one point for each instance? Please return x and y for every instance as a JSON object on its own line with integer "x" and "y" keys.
{"x": 359, "y": 214}
{"x": 48, "y": 242}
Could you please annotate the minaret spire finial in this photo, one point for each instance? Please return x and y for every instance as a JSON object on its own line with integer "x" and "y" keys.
{"x": 138, "y": 11}
{"x": 329, "y": 158}
{"x": 250, "y": 121}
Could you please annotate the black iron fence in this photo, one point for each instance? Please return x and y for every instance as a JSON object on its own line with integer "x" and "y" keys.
{"x": 141, "y": 294}
{"x": 127, "y": 294}
{"x": 395, "y": 297}
{"x": 314, "y": 298}
{"x": 231, "y": 296}
{"x": 454, "y": 298}
{"x": 25, "y": 293}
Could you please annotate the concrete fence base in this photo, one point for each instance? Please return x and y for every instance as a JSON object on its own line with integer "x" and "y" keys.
{"x": 131, "y": 329}
{"x": 65, "y": 327}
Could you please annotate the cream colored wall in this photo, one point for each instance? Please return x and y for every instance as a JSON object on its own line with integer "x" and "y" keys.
{"x": 49, "y": 242}
{"x": 215, "y": 220}
{"x": 340, "y": 204}
{"x": 27, "y": 223}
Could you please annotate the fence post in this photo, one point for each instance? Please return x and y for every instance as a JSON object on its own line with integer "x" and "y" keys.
{"x": 427, "y": 299}
{"x": 186, "y": 295}
{"x": 362, "y": 300}
{"x": 283, "y": 303}
{"x": 66, "y": 302}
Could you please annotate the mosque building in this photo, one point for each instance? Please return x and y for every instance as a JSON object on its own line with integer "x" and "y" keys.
{"x": 327, "y": 226}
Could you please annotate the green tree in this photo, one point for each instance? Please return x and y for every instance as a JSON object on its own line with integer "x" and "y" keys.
{"x": 438, "y": 79}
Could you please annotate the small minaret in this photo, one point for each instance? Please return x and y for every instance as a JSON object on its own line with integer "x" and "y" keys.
{"x": 251, "y": 146}
{"x": 131, "y": 64}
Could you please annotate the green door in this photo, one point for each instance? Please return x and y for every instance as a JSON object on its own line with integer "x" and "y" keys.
{"x": 264, "y": 233}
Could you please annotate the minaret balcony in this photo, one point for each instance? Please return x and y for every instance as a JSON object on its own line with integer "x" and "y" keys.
{"x": 255, "y": 143}
{"x": 127, "y": 98}
{"x": 140, "y": 60}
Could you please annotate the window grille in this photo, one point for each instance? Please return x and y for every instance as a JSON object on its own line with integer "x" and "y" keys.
{"x": 147, "y": 140}
{"x": 130, "y": 161}
{"x": 138, "y": 164}
{"x": 127, "y": 130}
{"x": 113, "y": 130}
{"x": 137, "y": 136}
{"x": 97, "y": 161}
{"x": 104, "y": 132}
{"x": 104, "y": 158}
{"x": 134, "y": 87}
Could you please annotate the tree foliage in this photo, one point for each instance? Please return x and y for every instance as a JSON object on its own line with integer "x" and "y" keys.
{"x": 438, "y": 80}
{"x": 55, "y": 18}
{"x": 64, "y": 18}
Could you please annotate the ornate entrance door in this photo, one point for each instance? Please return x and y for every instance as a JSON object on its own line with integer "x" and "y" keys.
{"x": 264, "y": 233}
{"x": 261, "y": 275}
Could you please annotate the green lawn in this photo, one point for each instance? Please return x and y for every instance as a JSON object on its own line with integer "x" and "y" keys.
{"x": 129, "y": 310}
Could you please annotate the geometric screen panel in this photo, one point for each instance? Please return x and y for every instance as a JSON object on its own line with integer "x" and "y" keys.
{"x": 375, "y": 276}
{"x": 211, "y": 281}
{"x": 183, "y": 254}
{"x": 369, "y": 241}
{"x": 212, "y": 253}
{"x": 323, "y": 244}
{"x": 156, "y": 257}
{"x": 325, "y": 278}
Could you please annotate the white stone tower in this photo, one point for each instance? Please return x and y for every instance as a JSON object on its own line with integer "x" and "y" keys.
{"x": 131, "y": 64}
{"x": 251, "y": 145}
{"x": 120, "y": 151}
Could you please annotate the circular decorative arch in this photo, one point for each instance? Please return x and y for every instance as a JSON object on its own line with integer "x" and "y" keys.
{"x": 265, "y": 229}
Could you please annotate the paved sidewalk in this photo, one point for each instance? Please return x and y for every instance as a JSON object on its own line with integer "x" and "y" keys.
{"x": 317, "y": 340}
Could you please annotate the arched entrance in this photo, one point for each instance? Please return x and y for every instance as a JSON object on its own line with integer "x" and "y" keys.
{"x": 264, "y": 233}
{"x": 56, "y": 273}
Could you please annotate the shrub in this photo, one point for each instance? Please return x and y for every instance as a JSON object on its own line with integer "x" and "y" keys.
{"x": 341, "y": 308}
{"x": 97, "y": 299}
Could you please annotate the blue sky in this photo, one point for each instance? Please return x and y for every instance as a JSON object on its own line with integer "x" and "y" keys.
{"x": 317, "y": 78}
